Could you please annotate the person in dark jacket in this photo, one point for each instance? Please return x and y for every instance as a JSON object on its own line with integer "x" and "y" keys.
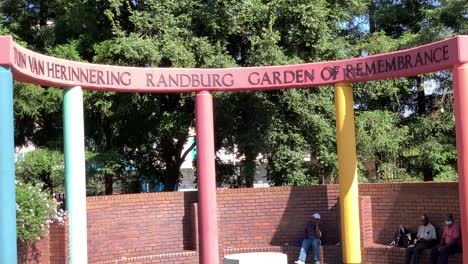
{"x": 313, "y": 234}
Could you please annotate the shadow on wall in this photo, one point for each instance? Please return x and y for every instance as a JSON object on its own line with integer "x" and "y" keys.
{"x": 303, "y": 202}
{"x": 28, "y": 253}
{"x": 404, "y": 203}
{"x": 139, "y": 225}
{"x": 189, "y": 222}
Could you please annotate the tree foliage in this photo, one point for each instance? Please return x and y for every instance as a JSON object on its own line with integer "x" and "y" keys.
{"x": 404, "y": 126}
{"x": 42, "y": 166}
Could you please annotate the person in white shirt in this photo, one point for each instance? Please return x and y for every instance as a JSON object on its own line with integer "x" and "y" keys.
{"x": 425, "y": 238}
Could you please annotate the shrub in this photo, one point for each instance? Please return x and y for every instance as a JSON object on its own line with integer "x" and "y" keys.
{"x": 35, "y": 209}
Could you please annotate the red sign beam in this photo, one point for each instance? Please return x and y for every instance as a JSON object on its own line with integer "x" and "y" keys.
{"x": 32, "y": 67}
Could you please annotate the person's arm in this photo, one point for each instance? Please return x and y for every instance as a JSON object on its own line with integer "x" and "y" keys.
{"x": 318, "y": 233}
{"x": 442, "y": 240}
{"x": 432, "y": 233}
{"x": 456, "y": 235}
{"x": 420, "y": 234}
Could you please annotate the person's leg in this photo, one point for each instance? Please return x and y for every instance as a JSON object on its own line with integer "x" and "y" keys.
{"x": 435, "y": 255}
{"x": 316, "y": 248}
{"x": 418, "y": 249}
{"x": 409, "y": 252}
{"x": 306, "y": 244}
{"x": 445, "y": 253}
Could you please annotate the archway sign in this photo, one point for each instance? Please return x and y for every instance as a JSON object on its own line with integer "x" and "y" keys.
{"x": 23, "y": 65}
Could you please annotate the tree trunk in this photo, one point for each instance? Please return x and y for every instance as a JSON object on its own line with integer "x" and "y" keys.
{"x": 249, "y": 167}
{"x": 421, "y": 96}
{"x": 169, "y": 185}
{"x": 372, "y": 17}
{"x": 322, "y": 177}
{"x": 371, "y": 170}
{"x": 428, "y": 174}
{"x": 109, "y": 183}
{"x": 43, "y": 12}
{"x": 171, "y": 179}
{"x": 47, "y": 180}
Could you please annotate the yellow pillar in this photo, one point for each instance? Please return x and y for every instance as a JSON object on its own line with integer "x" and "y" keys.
{"x": 347, "y": 170}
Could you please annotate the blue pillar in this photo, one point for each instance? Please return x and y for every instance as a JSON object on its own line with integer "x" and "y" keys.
{"x": 75, "y": 175}
{"x": 8, "y": 251}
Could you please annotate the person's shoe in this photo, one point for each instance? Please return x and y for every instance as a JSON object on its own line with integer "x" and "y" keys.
{"x": 317, "y": 262}
{"x": 300, "y": 262}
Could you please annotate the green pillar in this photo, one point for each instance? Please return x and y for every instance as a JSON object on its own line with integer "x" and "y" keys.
{"x": 8, "y": 251}
{"x": 75, "y": 178}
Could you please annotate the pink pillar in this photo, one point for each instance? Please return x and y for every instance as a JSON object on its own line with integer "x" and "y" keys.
{"x": 207, "y": 216}
{"x": 460, "y": 90}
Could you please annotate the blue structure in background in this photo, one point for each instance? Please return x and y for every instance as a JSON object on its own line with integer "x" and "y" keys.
{"x": 148, "y": 187}
{"x": 194, "y": 150}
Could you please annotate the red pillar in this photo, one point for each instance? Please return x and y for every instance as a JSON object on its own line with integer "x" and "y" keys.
{"x": 207, "y": 221}
{"x": 460, "y": 90}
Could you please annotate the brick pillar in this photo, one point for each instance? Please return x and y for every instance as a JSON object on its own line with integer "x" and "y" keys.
{"x": 194, "y": 225}
{"x": 58, "y": 235}
{"x": 366, "y": 221}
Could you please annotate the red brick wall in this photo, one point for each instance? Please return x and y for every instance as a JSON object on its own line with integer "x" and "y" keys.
{"x": 403, "y": 203}
{"x": 275, "y": 216}
{"x": 34, "y": 253}
{"x": 51, "y": 249}
{"x": 133, "y": 225}
{"x": 58, "y": 246}
{"x": 161, "y": 227}
{"x": 392, "y": 255}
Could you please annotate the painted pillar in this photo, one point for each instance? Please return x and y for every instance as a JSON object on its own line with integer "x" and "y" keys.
{"x": 460, "y": 90}
{"x": 75, "y": 177}
{"x": 207, "y": 210}
{"x": 8, "y": 251}
{"x": 347, "y": 169}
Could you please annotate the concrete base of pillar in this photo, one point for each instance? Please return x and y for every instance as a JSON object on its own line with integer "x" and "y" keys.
{"x": 256, "y": 257}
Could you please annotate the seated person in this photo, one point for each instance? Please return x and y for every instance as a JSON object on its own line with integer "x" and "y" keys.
{"x": 425, "y": 238}
{"x": 313, "y": 235}
{"x": 450, "y": 242}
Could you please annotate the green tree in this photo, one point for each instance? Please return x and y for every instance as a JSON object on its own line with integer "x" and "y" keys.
{"x": 42, "y": 166}
{"x": 417, "y": 100}
{"x": 303, "y": 126}
{"x": 288, "y": 127}
{"x": 430, "y": 151}
{"x": 241, "y": 122}
{"x": 153, "y": 128}
{"x": 380, "y": 141}
{"x": 107, "y": 165}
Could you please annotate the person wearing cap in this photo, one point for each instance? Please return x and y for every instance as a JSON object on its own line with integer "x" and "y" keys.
{"x": 313, "y": 235}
